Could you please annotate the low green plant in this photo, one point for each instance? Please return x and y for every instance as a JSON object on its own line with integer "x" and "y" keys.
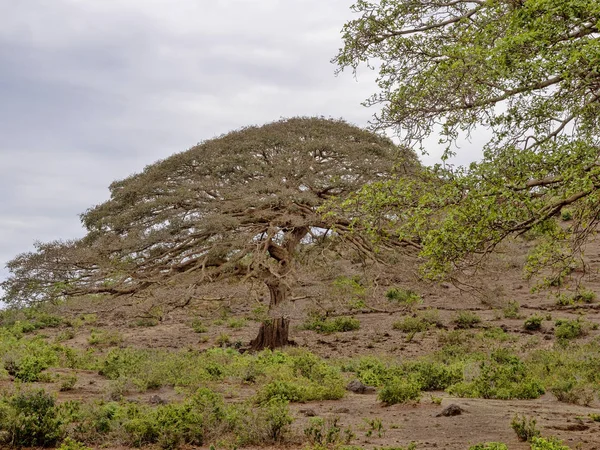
{"x": 551, "y": 443}
{"x": 489, "y": 446}
{"x": 503, "y": 376}
{"x": 105, "y": 338}
{"x": 67, "y": 383}
{"x": 374, "y": 426}
{"x": 566, "y": 329}
{"x": 512, "y": 310}
{"x": 223, "y": 340}
{"x": 30, "y": 419}
{"x": 237, "y": 323}
{"x": 571, "y": 390}
{"x": 327, "y": 433}
{"x": 466, "y": 319}
{"x": 533, "y": 323}
{"x": 566, "y": 215}
{"x": 400, "y": 390}
{"x": 403, "y": 297}
{"x": 146, "y": 322}
{"x": 411, "y": 324}
{"x": 525, "y": 428}
{"x": 322, "y": 324}
{"x": 71, "y": 444}
{"x": 198, "y": 326}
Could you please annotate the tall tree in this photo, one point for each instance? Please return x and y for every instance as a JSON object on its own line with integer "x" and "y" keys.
{"x": 527, "y": 71}
{"x": 236, "y": 206}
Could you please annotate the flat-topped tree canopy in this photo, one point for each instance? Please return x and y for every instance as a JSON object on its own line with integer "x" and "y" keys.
{"x": 236, "y": 205}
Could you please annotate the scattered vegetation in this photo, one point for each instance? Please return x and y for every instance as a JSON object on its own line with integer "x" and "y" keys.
{"x": 466, "y": 319}
{"x": 525, "y": 428}
{"x": 323, "y": 324}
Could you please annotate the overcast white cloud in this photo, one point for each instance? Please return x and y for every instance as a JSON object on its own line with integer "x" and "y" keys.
{"x": 93, "y": 90}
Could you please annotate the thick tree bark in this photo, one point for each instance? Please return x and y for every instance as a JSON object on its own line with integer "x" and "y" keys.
{"x": 274, "y": 332}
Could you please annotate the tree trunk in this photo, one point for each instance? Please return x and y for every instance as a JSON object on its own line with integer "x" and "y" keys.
{"x": 274, "y": 332}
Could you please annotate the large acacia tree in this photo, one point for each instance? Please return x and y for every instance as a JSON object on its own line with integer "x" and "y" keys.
{"x": 524, "y": 72}
{"x": 236, "y": 206}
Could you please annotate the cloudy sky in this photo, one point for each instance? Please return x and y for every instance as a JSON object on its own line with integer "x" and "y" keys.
{"x": 93, "y": 90}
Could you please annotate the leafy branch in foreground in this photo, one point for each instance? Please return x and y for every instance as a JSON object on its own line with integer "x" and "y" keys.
{"x": 527, "y": 72}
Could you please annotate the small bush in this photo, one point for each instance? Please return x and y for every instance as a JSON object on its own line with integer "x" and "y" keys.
{"x": 198, "y": 326}
{"x": 489, "y": 446}
{"x": 30, "y": 419}
{"x": 411, "y": 325}
{"x": 324, "y": 325}
{"x": 236, "y": 323}
{"x": 68, "y": 383}
{"x": 552, "y": 443}
{"x": 400, "y": 391}
{"x": 533, "y": 323}
{"x": 102, "y": 338}
{"x": 404, "y": 297}
{"x": 71, "y": 444}
{"x": 512, "y": 310}
{"x": 524, "y": 428}
{"x": 572, "y": 391}
{"x": 326, "y": 433}
{"x": 466, "y": 319}
{"x": 569, "y": 329}
{"x": 566, "y": 215}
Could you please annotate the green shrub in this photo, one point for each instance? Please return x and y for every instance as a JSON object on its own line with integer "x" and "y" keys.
{"x": 504, "y": 376}
{"x": 573, "y": 391}
{"x": 68, "y": 382}
{"x": 566, "y": 329}
{"x": 404, "y": 297}
{"x": 524, "y": 428}
{"x": 322, "y": 324}
{"x": 489, "y": 446}
{"x": 400, "y": 391}
{"x": 103, "y": 338}
{"x": 30, "y": 419}
{"x": 411, "y": 324}
{"x": 326, "y": 433}
{"x": 71, "y": 444}
{"x": 552, "y": 443}
{"x": 512, "y": 310}
{"x": 566, "y": 215}
{"x": 466, "y": 319}
{"x": 533, "y": 323}
{"x": 198, "y": 326}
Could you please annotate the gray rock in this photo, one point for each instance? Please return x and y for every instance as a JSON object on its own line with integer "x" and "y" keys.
{"x": 451, "y": 410}
{"x": 359, "y": 388}
{"x": 157, "y": 400}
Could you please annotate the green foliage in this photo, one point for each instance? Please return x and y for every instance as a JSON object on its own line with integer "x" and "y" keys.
{"x": 322, "y": 324}
{"x": 67, "y": 383}
{"x": 400, "y": 390}
{"x": 489, "y": 446}
{"x": 512, "y": 310}
{"x": 551, "y": 443}
{"x": 533, "y": 323}
{"x": 573, "y": 390}
{"x": 30, "y": 419}
{"x": 411, "y": 324}
{"x": 71, "y": 444}
{"x": 522, "y": 70}
{"x": 466, "y": 319}
{"x": 566, "y": 329}
{"x": 351, "y": 290}
{"x": 504, "y": 376}
{"x": 105, "y": 338}
{"x": 236, "y": 323}
{"x": 403, "y": 297}
{"x": 198, "y": 326}
{"x": 524, "y": 427}
{"x": 326, "y": 433}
